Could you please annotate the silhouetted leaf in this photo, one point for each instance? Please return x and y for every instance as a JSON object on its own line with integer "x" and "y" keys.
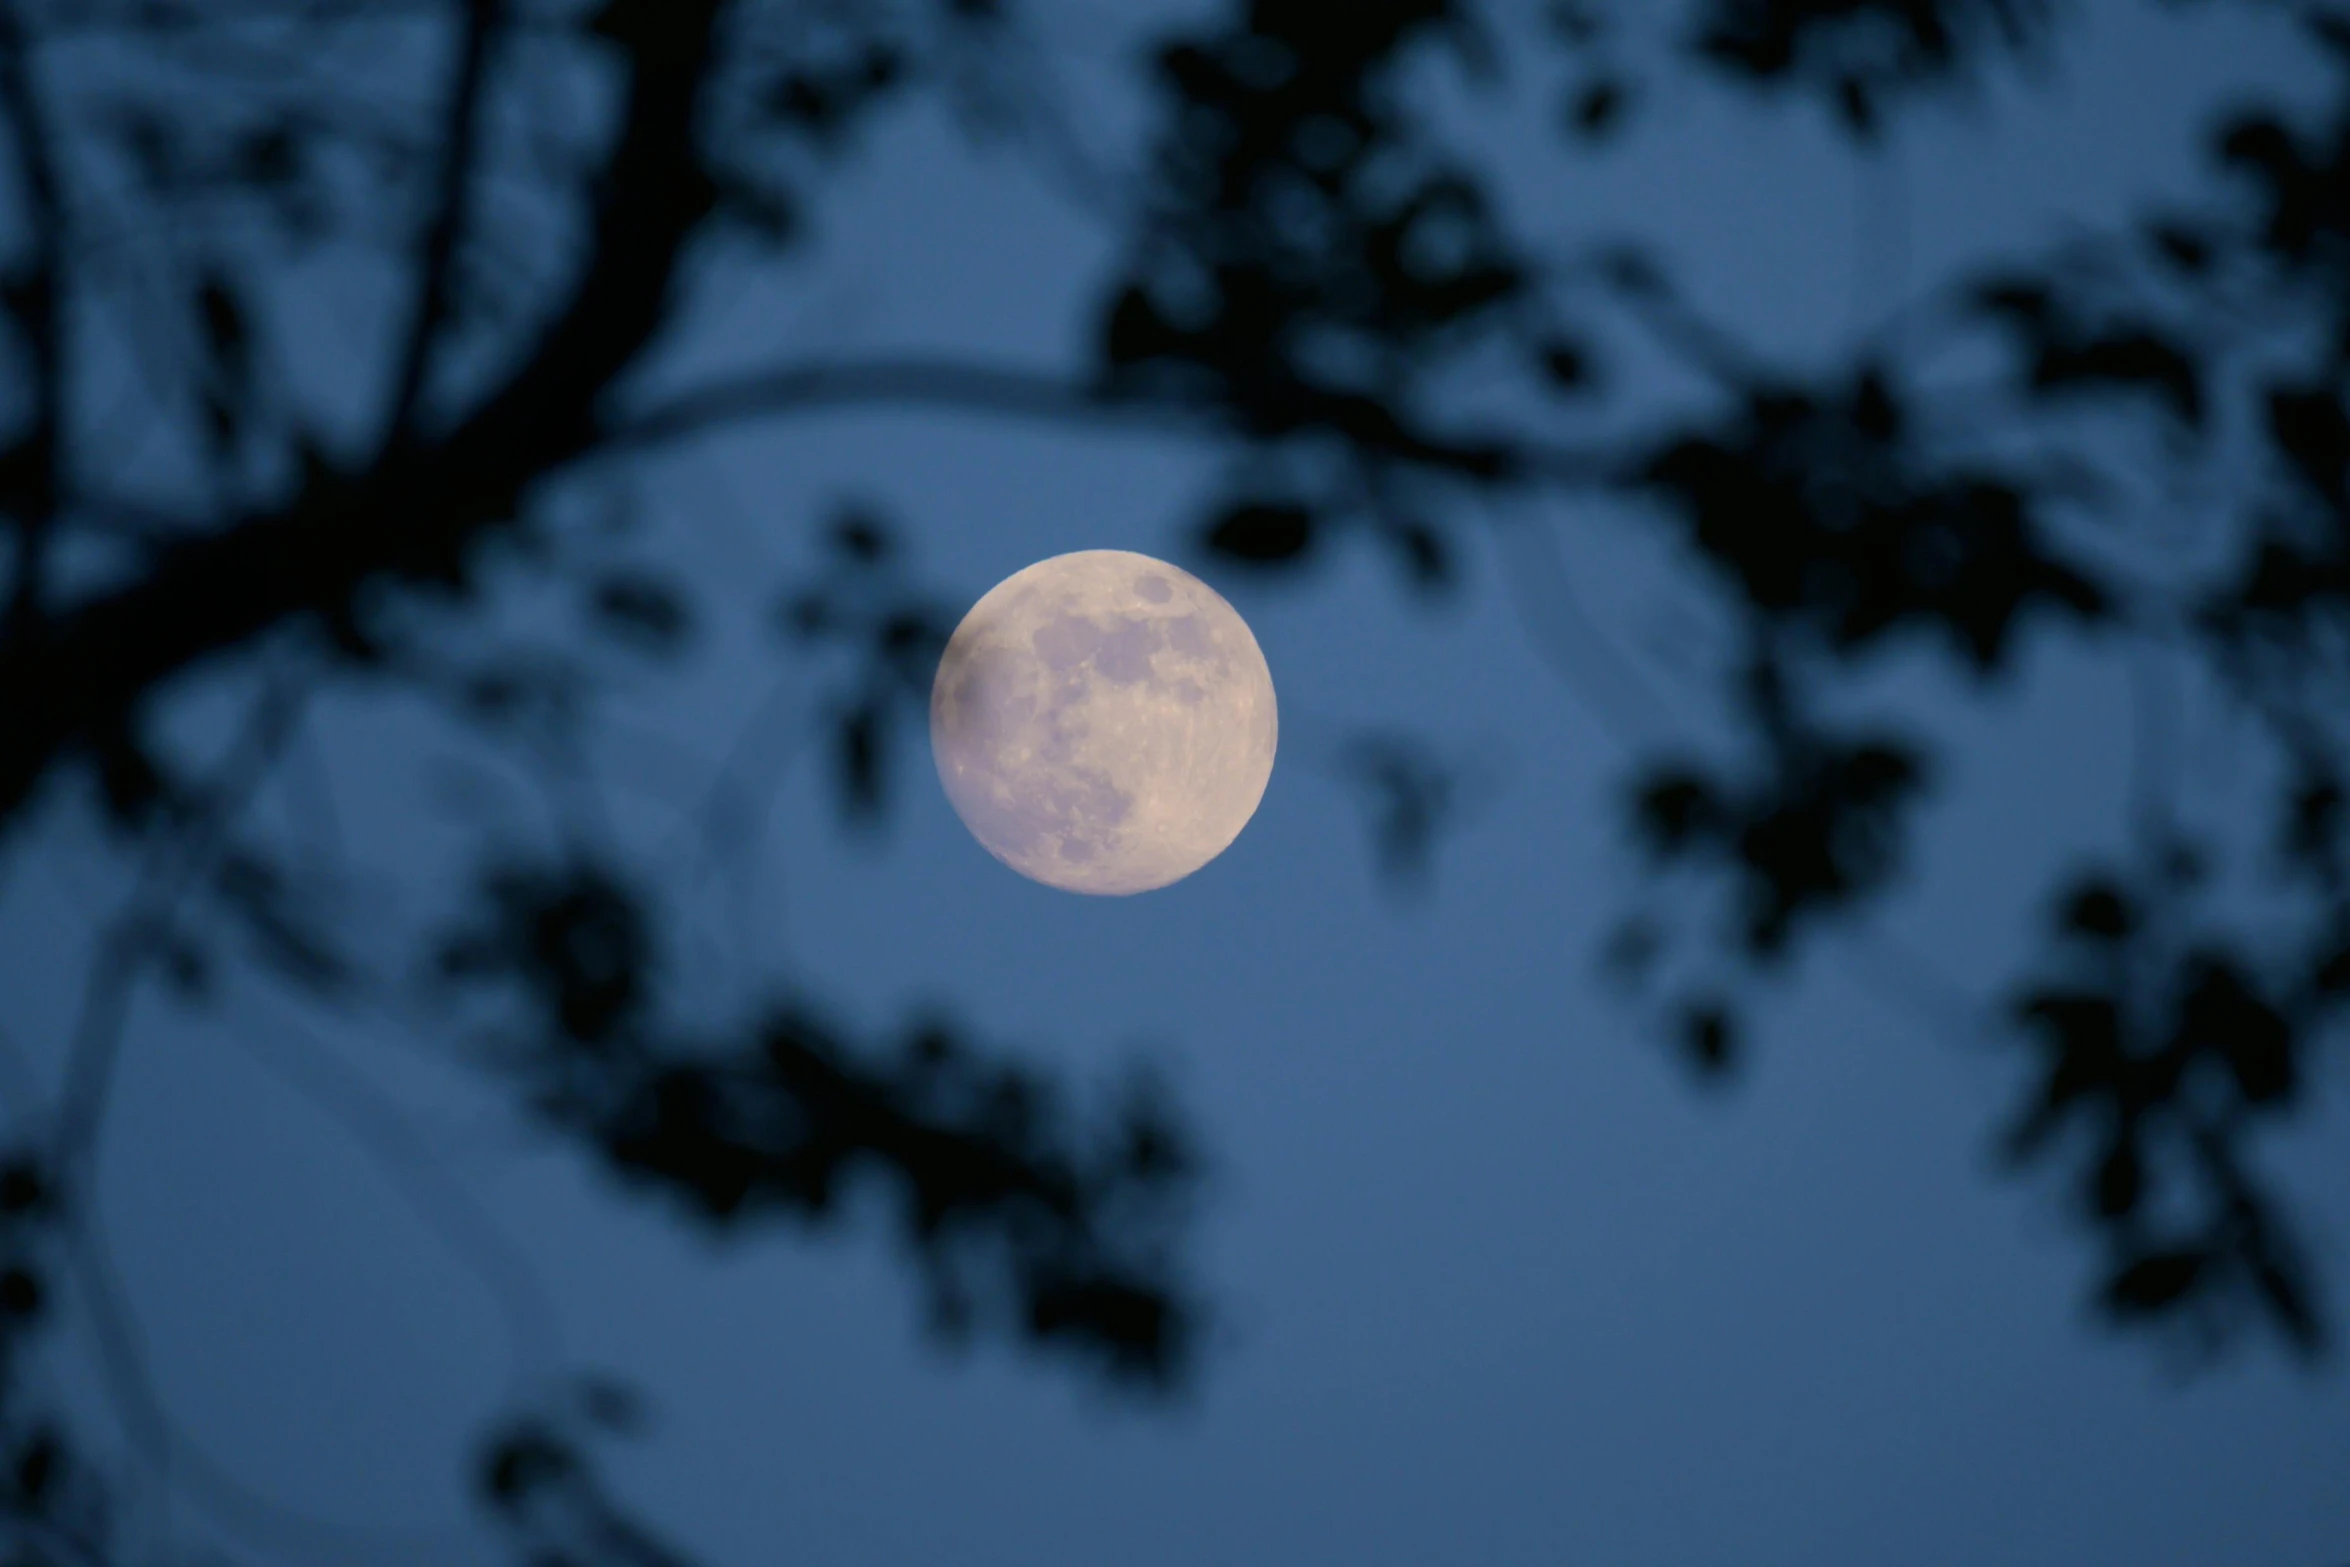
{"x": 2121, "y": 1179}
{"x": 2315, "y": 819}
{"x": 2155, "y": 1281}
{"x": 860, "y": 733}
{"x": 644, "y": 611}
{"x": 24, "y": 1186}
{"x": 2098, "y": 908}
{"x": 1597, "y": 111}
{"x": 2312, "y": 429}
{"x": 1566, "y": 366}
{"x": 2221, "y": 1012}
{"x": 1852, "y": 51}
{"x": 21, "y": 1295}
{"x": 37, "y": 1464}
{"x": 1856, "y": 105}
{"x": 1675, "y": 809}
{"x": 613, "y": 1405}
{"x": 1262, "y": 532}
{"x": 1709, "y": 1039}
{"x": 1412, "y": 792}
{"x": 570, "y": 938}
{"x": 133, "y": 784}
{"x": 1819, "y": 513}
{"x": 862, "y": 536}
{"x": 910, "y": 642}
{"x": 766, "y": 210}
{"x": 187, "y": 968}
{"x": 1426, "y": 561}
{"x": 225, "y": 389}
{"x": 2287, "y": 1295}
{"x": 2333, "y": 973}
{"x": 522, "y": 1461}
{"x": 2184, "y": 245}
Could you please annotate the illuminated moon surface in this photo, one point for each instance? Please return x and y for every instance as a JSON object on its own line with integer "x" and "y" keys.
{"x": 1103, "y": 722}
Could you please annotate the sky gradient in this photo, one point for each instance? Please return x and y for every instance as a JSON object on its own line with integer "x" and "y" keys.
{"x": 1493, "y": 1280}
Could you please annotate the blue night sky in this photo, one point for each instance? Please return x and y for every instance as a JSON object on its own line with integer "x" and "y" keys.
{"x": 1495, "y": 1281}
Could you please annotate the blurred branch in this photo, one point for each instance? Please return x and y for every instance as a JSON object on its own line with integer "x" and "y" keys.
{"x": 1414, "y": 793}
{"x": 418, "y": 514}
{"x": 460, "y": 148}
{"x": 953, "y": 385}
{"x": 1552, "y": 611}
{"x": 165, "y": 17}
{"x": 28, "y": 486}
{"x": 537, "y": 1479}
{"x": 174, "y": 862}
{"x": 961, "y": 386}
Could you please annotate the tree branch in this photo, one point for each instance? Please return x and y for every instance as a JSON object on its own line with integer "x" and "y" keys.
{"x": 960, "y": 386}
{"x": 418, "y": 514}
{"x": 913, "y": 382}
{"x": 29, "y": 469}
{"x": 437, "y": 254}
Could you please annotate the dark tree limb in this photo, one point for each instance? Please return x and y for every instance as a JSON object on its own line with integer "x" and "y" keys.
{"x": 29, "y": 468}
{"x": 962, "y": 386}
{"x": 925, "y": 382}
{"x": 460, "y": 150}
{"x": 417, "y": 516}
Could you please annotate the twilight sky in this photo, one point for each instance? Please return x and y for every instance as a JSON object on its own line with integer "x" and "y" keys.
{"x": 1496, "y": 1283}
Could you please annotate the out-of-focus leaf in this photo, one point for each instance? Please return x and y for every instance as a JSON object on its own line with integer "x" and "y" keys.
{"x": 1262, "y": 533}
{"x": 1596, "y": 112}
{"x": 646, "y": 612}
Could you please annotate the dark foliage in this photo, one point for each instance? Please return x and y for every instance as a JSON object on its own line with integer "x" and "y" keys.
{"x": 2162, "y": 1052}
{"x": 52, "y": 1498}
{"x": 895, "y": 634}
{"x": 538, "y": 1480}
{"x": 1857, "y": 53}
{"x": 1414, "y": 794}
{"x": 1826, "y": 519}
{"x": 1060, "y": 1233}
{"x": 1818, "y": 833}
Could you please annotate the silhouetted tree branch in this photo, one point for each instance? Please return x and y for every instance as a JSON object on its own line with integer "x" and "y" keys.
{"x": 29, "y": 464}
{"x": 460, "y": 147}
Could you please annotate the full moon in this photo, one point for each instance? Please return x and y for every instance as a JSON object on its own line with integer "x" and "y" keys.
{"x": 1103, "y": 722}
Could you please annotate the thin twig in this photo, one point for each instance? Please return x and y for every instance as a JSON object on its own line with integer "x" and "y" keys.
{"x": 37, "y": 313}
{"x": 532, "y": 1327}
{"x": 997, "y": 391}
{"x": 460, "y": 148}
{"x": 132, "y": 939}
{"x": 912, "y": 382}
{"x": 1552, "y": 611}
